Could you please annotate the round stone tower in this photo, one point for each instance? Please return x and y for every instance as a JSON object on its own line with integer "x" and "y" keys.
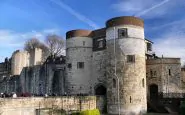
{"x": 78, "y": 61}
{"x": 126, "y": 66}
{"x": 20, "y": 59}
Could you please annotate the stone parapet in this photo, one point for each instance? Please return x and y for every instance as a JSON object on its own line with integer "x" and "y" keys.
{"x": 163, "y": 60}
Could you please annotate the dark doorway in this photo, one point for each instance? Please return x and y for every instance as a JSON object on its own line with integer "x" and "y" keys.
{"x": 153, "y": 92}
{"x": 100, "y": 90}
{"x": 56, "y": 83}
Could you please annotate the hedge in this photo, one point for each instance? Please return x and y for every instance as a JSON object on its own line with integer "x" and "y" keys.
{"x": 88, "y": 112}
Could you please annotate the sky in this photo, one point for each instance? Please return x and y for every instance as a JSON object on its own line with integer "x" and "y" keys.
{"x": 24, "y": 19}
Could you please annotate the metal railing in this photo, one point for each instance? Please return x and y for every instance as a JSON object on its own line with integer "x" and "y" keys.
{"x": 171, "y": 95}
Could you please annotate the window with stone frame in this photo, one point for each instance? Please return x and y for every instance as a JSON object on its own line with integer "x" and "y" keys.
{"x": 69, "y": 65}
{"x": 130, "y": 58}
{"x": 100, "y": 44}
{"x": 151, "y": 73}
{"x": 155, "y": 73}
{"x": 83, "y": 43}
{"x": 149, "y": 47}
{"x": 122, "y": 33}
{"x": 80, "y": 65}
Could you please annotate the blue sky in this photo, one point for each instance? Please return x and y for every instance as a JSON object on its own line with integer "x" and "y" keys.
{"x": 24, "y": 19}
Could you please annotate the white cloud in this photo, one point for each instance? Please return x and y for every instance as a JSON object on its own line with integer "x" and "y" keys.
{"x": 131, "y": 6}
{"x": 152, "y": 8}
{"x": 10, "y": 38}
{"x": 148, "y": 8}
{"x": 167, "y": 25}
{"x": 172, "y": 43}
{"x": 78, "y": 15}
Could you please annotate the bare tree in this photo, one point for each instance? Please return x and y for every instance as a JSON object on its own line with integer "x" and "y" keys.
{"x": 32, "y": 43}
{"x": 55, "y": 44}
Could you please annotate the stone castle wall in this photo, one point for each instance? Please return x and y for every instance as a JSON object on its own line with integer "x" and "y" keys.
{"x": 165, "y": 73}
{"x": 37, "y": 80}
{"x": 21, "y": 59}
{"x": 98, "y": 70}
{"x": 28, "y": 106}
{"x": 46, "y": 79}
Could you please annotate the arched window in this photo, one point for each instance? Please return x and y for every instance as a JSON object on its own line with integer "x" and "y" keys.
{"x": 114, "y": 83}
{"x": 143, "y": 82}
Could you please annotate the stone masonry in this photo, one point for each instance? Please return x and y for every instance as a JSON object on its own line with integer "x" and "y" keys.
{"x": 28, "y": 106}
{"x": 116, "y": 62}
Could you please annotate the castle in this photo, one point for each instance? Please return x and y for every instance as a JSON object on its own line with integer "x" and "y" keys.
{"x": 116, "y": 62}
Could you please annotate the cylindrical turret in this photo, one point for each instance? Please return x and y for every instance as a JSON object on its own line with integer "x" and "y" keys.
{"x": 79, "y": 61}
{"x": 126, "y": 69}
{"x": 20, "y": 59}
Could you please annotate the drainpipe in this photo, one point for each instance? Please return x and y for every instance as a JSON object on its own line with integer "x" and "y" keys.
{"x": 115, "y": 68}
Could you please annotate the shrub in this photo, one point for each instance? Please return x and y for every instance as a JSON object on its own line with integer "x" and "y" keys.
{"x": 182, "y": 108}
{"x": 90, "y": 112}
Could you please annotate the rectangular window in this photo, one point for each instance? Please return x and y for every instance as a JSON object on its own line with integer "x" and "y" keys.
{"x": 80, "y": 65}
{"x": 151, "y": 73}
{"x": 83, "y": 43}
{"x": 149, "y": 47}
{"x": 130, "y": 58}
{"x": 69, "y": 65}
{"x": 100, "y": 44}
{"x": 122, "y": 33}
{"x": 155, "y": 73}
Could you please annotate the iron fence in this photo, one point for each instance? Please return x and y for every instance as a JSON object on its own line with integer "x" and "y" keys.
{"x": 171, "y": 95}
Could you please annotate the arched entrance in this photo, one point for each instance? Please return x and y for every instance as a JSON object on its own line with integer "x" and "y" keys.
{"x": 153, "y": 92}
{"x": 100, "y": 92}
{"x": 56, "y": 83}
